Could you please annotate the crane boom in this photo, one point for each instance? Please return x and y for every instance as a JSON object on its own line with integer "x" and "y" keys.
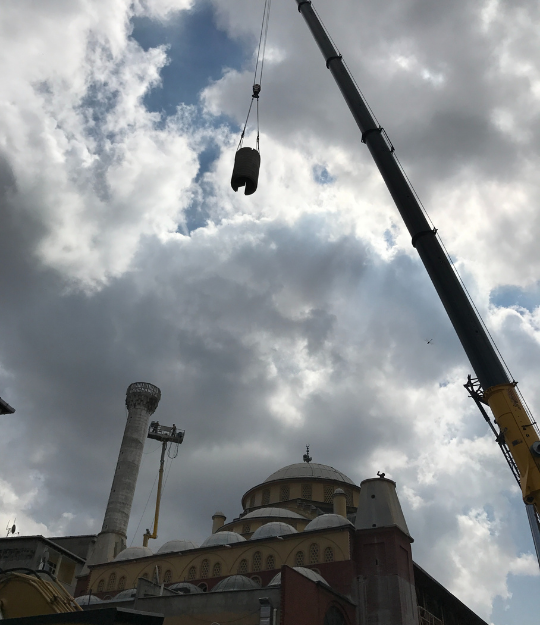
{"x": 499, "y": 391}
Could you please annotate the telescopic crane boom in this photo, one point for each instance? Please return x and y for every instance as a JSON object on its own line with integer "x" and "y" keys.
{"x": 517, "y": 433}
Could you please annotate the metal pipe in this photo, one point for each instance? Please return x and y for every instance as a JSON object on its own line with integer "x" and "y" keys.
{"x": 476, "y": 343}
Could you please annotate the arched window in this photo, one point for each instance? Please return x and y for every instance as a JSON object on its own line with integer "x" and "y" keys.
{"x": 192, "y": 573}
{"x": 246, "y": 529}
{"x": 307, "y": 492}
{"x": 257, "y": 561}
{"x": 299, "y": 558}
{"x": 243, "y": 567}
{"x": 112, "y": 581}
{"x": 122, "y": 583}
{"x": 252, "y": 501}
{"x": 348, "y": 494}
{"x": 205, "y": 567}
{"x": 328, "y": 494}
{"x": 216, "y": 571}
{"x": 265, "y": 496}
{"x": 314, "y": 553}
{"x": 101, "y": 585}
{"x": 257, "y": 580}
{"x": 167, "y": 579}
{"x": 334, "y": 617}
{"x": 328, "y": 554}
{"x": 284, "y": 493}
{"x": 270, "y": 563}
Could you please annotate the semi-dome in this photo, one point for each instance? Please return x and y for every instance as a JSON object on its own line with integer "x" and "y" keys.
{"x": 87, "y": 599}
{"x": 174, "y": 546}
{"x": 132, "y": 553}
{"x": 235, "y": 582}
{"x": 309, "y": 470}
{"x": 126, "y": 595}
{"x": 185, "y": 588}
{"x": 276, "y": 528}
{"x": 312, "y": 575}
{"x": 278, "y": 513}
{"x": 327, "y": 520}
{"x": 223, "y": 538}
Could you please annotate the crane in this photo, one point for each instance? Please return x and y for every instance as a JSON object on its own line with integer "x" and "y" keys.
{"x": 516, "y": 432}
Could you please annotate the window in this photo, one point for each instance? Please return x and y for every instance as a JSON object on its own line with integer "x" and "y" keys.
{"x": 266, "y": 496}
{"x": 101, "y": 585}
{"x": 328, "y": 494}
{"x": 205, "y": 567}
{"x": 252, "y": 501}
{"x": 122, "y": 583}
{"x": 112, "y": 582}
{"x": 334, "y": 617}
{"x": 144, "y": 576}
{"x": 257, "y": 580}
{"x": 257, "y": 561}
{"x": 299, "y": 558}
{"x": 348, "y": 494}
{"x": 168, "y": 577}
{"x": 313, "y": 553}
{"x": 243, "y": 567}
{"x": 216, "y": 571}
{"x": 203, "y": 587}
{"x": 284, "y": 493}
{"x": 270, "y": 563}
{"x": 307, "y": 492}
{"x": 192, "y": 573}
{"x": 329, "y": 554}
{"x": 246, "y": 529}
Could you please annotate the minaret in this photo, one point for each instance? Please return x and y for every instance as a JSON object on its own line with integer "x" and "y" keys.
{"x": 142, "y": 400}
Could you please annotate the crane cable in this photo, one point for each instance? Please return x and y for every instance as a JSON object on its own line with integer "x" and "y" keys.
{"x": 258, "y": 74}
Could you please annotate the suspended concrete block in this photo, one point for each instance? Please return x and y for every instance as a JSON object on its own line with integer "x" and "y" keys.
{"x": 247, "y": 163}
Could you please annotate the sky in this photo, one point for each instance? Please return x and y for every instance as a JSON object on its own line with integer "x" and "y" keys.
{"x": 298, "y": 315}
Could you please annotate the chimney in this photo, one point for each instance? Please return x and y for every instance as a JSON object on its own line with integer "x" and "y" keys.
{"x": 218, "y": 520}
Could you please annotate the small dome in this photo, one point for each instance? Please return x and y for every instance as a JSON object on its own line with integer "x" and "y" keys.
{"x": 186, "y": 588}
{"x": 307, "y": 470}
{"x": 219, "y": 513}
{"x": 174, "y": 546}
{"x": 314, "y": 577}
{"x": 125, "y": 595}
{"x": 87, "y": 599}
{"x": 339, "y": 491}
{"x": 327, "y": 520}
{"x": 235, "y": 582}
{"x": 223, "y": 538}
{"x": 132, "y": 553}
{"x": 278, "y": 513}
{"x": 276, "y": 528}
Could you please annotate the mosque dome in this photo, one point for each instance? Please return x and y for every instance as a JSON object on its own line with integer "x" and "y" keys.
{"x": 132, "y": 553}
{"x": 278, "y": 513}
{"x": 325, "y": 521}
{"x": 276, "y": 528}
{"x": 235, "y": 582}
{"x": 309, "y": 470}
{"x": 314, "y": 577}
{"x": 186, "y": 588}
{"x": 125, "y": 595}
{"x": 174, "y": 546}
{"x": 87, "y": 600}
{"x": 223, "y": 538}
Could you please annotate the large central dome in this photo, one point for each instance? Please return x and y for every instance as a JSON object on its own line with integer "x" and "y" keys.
{"x": 309, "y": 470}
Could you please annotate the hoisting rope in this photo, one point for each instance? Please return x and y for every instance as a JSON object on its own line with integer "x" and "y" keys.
{"x": 259, "y": 69}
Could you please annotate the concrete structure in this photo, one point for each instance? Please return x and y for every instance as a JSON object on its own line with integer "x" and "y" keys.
{"x": 142, "y": 400}
{"x": 300, "y": 553}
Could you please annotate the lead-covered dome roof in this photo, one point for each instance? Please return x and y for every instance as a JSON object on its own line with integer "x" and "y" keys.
{"x": 235, "y": 582}
{"x": 327, "y": 520}
{"x": 174, "y": 546}
{"x": 186, "y": 588}
{"x": 223, "y": 538}
{"x": 278, "y": 513}
{"x": 132, "y": 553}
{"x": 273, "y": 529}
{"x": 309, "y": 470}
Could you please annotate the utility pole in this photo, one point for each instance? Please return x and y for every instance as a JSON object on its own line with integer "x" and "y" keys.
{"x": 165, "y": 435}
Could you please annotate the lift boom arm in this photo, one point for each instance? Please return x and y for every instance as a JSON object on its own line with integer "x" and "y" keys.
{"x": 498, "y": 390}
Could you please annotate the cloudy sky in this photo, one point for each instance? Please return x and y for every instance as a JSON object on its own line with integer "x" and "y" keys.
{"x": 297, "y": 315}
